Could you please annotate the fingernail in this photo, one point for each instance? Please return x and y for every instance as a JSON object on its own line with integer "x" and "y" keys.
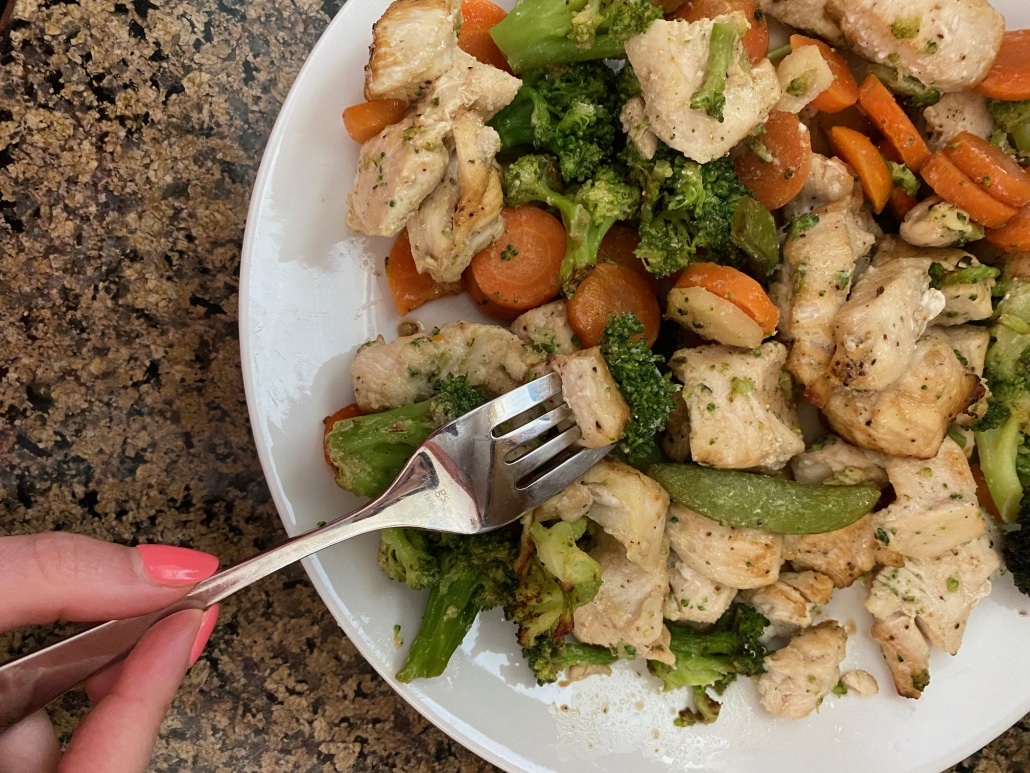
{"x": 170, "y": 565}
{"x": 207, "y": 625}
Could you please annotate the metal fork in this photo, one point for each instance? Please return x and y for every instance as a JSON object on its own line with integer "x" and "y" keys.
{"x": 478, "y": 473}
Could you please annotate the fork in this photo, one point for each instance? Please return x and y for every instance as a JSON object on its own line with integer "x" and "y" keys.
{"x": 476, "y": 474}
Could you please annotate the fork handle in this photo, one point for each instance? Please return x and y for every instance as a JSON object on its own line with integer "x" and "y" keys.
{"x": 29, "y": 683}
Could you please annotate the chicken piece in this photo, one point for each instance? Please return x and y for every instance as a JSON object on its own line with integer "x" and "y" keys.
{"x": 803, "y": 75}
{"x": 829, "y": 180}
{"x": 807, "y": 15}
{"x": 970, "y": 344}
{"x": 912, "y": 415}
{"x": 546, "y": 329}
{"x": 954, "y": 113}
{"x": 934, "y": 222}
{"x": 632, "y": 508}
{"x": 843, "y": 555}
{"x": 733, "y": 556}
{"x": 601, "y": 411}
{"x": 463, "y": 214}
{"x": 935, "y": 509}
{"x": 675, "y": 438}
{"x": 877, "y": 328}
{"x": 947, "y": 44}
{"x": 798, "y": 676}
{"x": 634, "y": 122}
{"x": 570, "y": 504}
{"x": 739, "y": 416}
{"x": 939, "y": 592}
{"x": 470, "y": 84}
{"x": 387, "y": 375}
{"x": 817, "y": 269}
{"x": 836, "y": 461}
{"x": 905, "y": 651}
{"x": 671, "y": 62}
{"x": 412, "y": 44}
{"x": 860, "y": 681}
{"x": 692, "y": 596}
{"x": 395, "y": 174}
{"x": 790, "y": 602}
{"x": 627, "y": 610}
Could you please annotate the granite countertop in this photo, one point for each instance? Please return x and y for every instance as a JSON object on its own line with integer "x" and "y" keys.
{"x": 130, "y": 136}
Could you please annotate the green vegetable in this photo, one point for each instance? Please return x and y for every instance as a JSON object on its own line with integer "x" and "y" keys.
{"x": 538, "y": 33}
{"x": 753, "y": 229}
{"x": 903, "y": 178}
{"x": 1013, "y": 120}
{"x": 915, "y": 92}
{"x": 649, "y": 392}
{"x": 549, "y": 659}
{"x": 736, "y": 498}
{"x": 1001, "y": 435}
{"x": 368, "y": 451}
{"x": 570, "y": 111}
{"x": 588, "y": 211}
{"x": 711, "y": 97}
{"x": 712, "y": 659}
{"x": 1016, "y": 547}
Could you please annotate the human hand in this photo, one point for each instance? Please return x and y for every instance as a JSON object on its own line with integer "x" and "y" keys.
{"x": 59, "y": 576}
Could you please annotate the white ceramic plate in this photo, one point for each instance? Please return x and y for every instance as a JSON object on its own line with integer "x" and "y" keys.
{"x": 311, "y": 292}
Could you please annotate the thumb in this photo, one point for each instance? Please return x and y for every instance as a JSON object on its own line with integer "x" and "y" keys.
{"x": 60, "y": 576}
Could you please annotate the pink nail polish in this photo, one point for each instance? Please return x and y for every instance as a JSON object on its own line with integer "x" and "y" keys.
{"x": 170, "y": 565}
{"x": 207, "y": 625}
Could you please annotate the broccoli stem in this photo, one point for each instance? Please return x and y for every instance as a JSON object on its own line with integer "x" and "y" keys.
{"x": 711, "y": 97}
{"x": 997, "y": 448}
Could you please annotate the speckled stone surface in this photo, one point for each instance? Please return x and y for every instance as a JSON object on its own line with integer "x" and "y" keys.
{"x": 130, "y": 135}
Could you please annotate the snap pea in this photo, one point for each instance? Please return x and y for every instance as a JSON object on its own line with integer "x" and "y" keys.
{"x": 779, "y": 505}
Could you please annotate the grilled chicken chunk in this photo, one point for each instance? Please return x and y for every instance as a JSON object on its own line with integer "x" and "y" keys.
{"x": 954, "y": 113}
{"x": 877, "y": 328}
{"x": 829, "y": 180}
{"x": 601, "y": 411}
{"x": 675, "y": 438}
{"x": 843, "y": 555}
{"x": 947, "y": 44}
{"x": 739, "y": 416}
{"x": 816, "y": 273}
{"x": 934, "y": 222}
{"x": 692, "y": 596}
{"x": 547, "y": 330}
{"x": 732, "y": 556}
{"x": 935, "y": 509}
{"x": 387, "y": 375}
{"x": 790, "y": 602}
{"x": 671, "y": 61}
{"x": 807, "y": 15}
{"x": 627, "y": 610}
{"x": 905, "y": 651}
{"x": 412, "y": 44}
{"x": 970, "y": 342}
{"x": 836, "y": 461}
{"x": 798, "y": 676}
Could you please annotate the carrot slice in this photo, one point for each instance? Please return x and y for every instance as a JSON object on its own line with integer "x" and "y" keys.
{"x": 779, "y": 176}
{"x": 1014, "y": 236}
{"x": 484, "y": 304}
{"x": 346, "y": 412}
{"x": 1009, "y": 76}
{"x": 519, "y": 270}
{"x": 477, "y": 17}
{"x": 990, "y": 167}
{"x": 876, "y": 101}
{"x": 860, "y": 152}
{"x": 619, "y": 246}
{"x": 409, "y": 288}
{"x": 365, "y": 120}
{"x": 756, "y": 39}
{"x": 612, "y": 289}
{"x": 840, "y": 94}
{"x": 949, "y": 182}
{"x": 901, "y": 202}
{"x": 735, "y": 286}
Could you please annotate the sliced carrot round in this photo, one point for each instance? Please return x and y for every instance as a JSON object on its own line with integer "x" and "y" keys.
{"x": 519, "y": 270}
{"x": 408, "y": 287}
{"x": 955, "y": 187}
{"x": 778, "y": 177}
{"x": 877, "y": 102}
{"x": 477, "y": 17}
{"x": 734, "y": 286}
{"x": 1014, "y": 236}
{"x": 1009, "y": 76}
{"x": 607, "y": 290}
{"x": 756, "y": 39}
{"x": 860, "y": 152}
{"x": 840, "y": 94}
{"x": 365, "y": 120}
{"x": 990, "y": 167}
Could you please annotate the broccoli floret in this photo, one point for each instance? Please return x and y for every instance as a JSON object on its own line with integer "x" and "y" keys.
{"x": 539, "y": 33}
{"x": 711, "y": 97}
{"x": 649, "y": 392}
{"x": 1016, "y": 547}
{"x": 587, "y": 211}
{"x": 1013, "y": 120}
{"x": 474, "y": 574}
{"x": 368, "y": 451}
{"x": 903, "y": 178}
{"x": 406, "y": 555}
{"x": 712, "y": 659}
{"x": 1002, "y": 433}
{"x": 549, "y": 659}
{"x": 570, "y": 111}
{"x": 912, "y": 90}
{"x": 687, "y": 207}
